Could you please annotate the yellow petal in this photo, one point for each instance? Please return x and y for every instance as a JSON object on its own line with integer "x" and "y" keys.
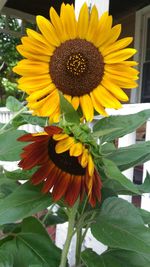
{"x": 84, "y": 158}
{"x": 37, "y": 95}
{"x": 113, "y": 36}
{"x": 104, "y": 29}
{"x": 34, "y": 79}
{"x": 35, "y": 86}
{"x": 120, "y": 44}
{"x": 128, "y": 84}
{"x": 48, "y": 30}
{"x": 76, "y": 149}
{"x": 56, "y": 21}
{"x": 75, "y": 102}
{"x": 37, "y": 105}
{"x": 68, "y": 98}
{"x": 29, "y": 69}
{"x": 36, "y": 46}
{"x": 87, "y": 107}
{"x": 36, "y": 36}
{"x": 64, "y": 145}
{"x": 50, "y": 104}
{"x": 58, "y": 137}
{"x": 83, "y": 22}
{"x": 130, "y": 63}
{"x": 97, "y": 104}
{"x": 68, "y": 19}
{"x": 116, "y": 77}
{"x": 33, "y": 56}
{"x": 90, "y": 165}
{"x": 55, "y": 116}
{"x": 123, "y": 68}
{"x": 92, "y": 24}
{"x": 119, "y": 56}
{"x": 114, "y": 89}
{"x": 123, "y": 72}
{"x": 106, "y": 99}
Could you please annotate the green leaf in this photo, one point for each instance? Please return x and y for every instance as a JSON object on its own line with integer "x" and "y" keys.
{"x": 6, "y": 258}
{"x": 107, "y": 148}
{"x": 104, "y": 132}
{"x": 118, "y": 188}
{"x": 125, "y": 123}
{"x": 145, "y": 187}
{"x": 13, "y": 104}
{"x": 10, "y": 148}
{"x": 130, "y": 156}
{"x": 68, "y": 111}
{"x": 34, "y": 120}
{"x": 7, "y": 186}
{"x": 115, "y": 258}
{"x": 53, "y": 219}
{"x": 24, "y": 201}
{"x": 33, "y": 246}
{"x": 112, "y": 172}
{"x": 20, "y": 174}
{"x": 26, "y": 118}
{"x": 119, "y": 225}
{"x": 145, "y": 215}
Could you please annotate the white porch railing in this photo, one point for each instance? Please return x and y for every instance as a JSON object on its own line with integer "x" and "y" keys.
{"x": 6, "y": 115}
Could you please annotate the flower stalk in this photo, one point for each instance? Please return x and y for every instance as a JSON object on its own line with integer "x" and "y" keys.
{"x": 70, "y": 233}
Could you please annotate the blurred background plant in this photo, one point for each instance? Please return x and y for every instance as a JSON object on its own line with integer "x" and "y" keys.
{"x": 8, "y": 59}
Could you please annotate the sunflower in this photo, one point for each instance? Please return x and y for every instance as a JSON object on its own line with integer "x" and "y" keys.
{"x": 65, "y": 165}
{"x": 83, "y": 59}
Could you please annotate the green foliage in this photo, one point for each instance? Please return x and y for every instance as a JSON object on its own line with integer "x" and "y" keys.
{"x": 112, "y": 172}
{"x": 7, "y": 186}
{"x": 9, "y": 57}
{"x": 119, "y": 225}
{"x": 124, "y": 124}
{"x": 6, "y": 258}
{"x": 115, "y": 258}
{"x": 13, "y": 104}
{"x": 130, "y": 156}
{"x": 23, "y": 202}
{"x": 68, "y": 111}
{"x": 10, "y": 148}
{"x": 145, "y": 216}
{"x": 31, "y": 246}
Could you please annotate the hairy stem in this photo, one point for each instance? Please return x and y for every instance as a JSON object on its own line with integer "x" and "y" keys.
{"x": 70, "y": 233}
{"x": 78, "y": 247}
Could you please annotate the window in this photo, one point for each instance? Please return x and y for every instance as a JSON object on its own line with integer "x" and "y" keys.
{"x": 145, "y": 93}
{"x": 142, "y": 43}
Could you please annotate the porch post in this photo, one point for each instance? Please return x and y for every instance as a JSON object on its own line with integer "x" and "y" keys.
{"x": 102, "y": 5}
{"x": 2, "y": 3}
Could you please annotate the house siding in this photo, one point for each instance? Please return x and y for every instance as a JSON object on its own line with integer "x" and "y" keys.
{"x": 128, "y": 29}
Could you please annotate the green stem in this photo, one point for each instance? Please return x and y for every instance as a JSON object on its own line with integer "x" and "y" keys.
{"x": 15, "y": 115}
{"x": 70, "y": 233}
{"x": 87, "y": 227}
{"x": 78, "y": 247}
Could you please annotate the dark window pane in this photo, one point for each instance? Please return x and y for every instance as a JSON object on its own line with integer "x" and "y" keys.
{"x": 148, "y": 41}
{"x": 146, "y": 83}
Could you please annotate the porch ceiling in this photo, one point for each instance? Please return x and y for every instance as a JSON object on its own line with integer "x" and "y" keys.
{"x": 35, "y": 7}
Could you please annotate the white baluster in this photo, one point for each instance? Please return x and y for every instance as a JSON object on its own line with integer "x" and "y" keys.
{"x": 145, "y": 202}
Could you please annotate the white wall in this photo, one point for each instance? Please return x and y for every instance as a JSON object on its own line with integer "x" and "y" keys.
{"x": 102, "y": 5}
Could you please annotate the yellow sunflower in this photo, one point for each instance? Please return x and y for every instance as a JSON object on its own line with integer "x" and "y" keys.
{"x": 65, "y": 166}
{"x": 82, "y": 59}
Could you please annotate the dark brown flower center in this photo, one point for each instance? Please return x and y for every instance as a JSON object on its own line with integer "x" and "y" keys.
{"x": 76, "y": 67}
{"x": 64, "y": 161}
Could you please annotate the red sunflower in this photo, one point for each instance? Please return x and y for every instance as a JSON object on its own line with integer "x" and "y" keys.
{"x": 65, "y": 165}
